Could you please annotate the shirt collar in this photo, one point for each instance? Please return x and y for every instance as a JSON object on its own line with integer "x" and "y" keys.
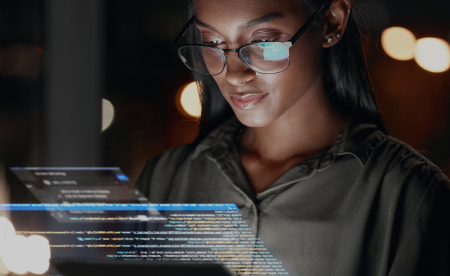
{"x": 224, "y": 136}
{"x": 357, "y": 138}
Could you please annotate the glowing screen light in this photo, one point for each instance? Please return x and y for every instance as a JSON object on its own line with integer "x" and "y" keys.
{"x": 107, "y": 114}
{"x": 433, "y": 54}
{"x": 399, "y": 43}
{"x": 189, "y": 101}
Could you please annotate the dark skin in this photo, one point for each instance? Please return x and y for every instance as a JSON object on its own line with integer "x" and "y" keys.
{"x": 294, "y": 119}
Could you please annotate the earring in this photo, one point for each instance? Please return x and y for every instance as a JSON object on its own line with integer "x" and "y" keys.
{"x": 338, "y": 35}
{"x": 330, "y": 40}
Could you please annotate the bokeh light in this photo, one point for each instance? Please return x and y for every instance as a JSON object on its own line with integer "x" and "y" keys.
{"x": 38, "y": 254}
{"x": 6, "y": 232}
{"x": 20, "y": 254}
{"x": 13, "y": 253}
{"x": 433, "y": 54}
{"x": 107, "y": 114}
{"x": 398, "y": 43}
{"x": 188, "y": 101}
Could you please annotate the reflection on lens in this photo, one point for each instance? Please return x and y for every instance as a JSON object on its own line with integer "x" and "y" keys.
{"x": 201, "y": 59}
{"x": 265, "y": 57}
{"x": 273, "y": 51}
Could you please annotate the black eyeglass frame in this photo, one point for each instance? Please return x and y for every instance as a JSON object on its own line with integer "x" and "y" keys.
{"x": 285, "y": 44}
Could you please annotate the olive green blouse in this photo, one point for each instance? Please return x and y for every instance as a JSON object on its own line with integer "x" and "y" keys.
{"x": 369, "y": 205}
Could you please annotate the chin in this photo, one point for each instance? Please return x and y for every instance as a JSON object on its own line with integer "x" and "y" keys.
{"x": 253, "y": 119}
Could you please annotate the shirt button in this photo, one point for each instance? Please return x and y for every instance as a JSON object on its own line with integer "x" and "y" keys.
{"x": 252, "y": 210}
{"x": 301, "y": 169}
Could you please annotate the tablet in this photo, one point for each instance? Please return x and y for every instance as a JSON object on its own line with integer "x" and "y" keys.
{"x": 78, "y": 184}
{"x": 72, "y": 267}
{"x": 148, "y": 236}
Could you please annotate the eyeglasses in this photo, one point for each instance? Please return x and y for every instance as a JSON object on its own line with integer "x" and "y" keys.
{"x": 261, "y": 57}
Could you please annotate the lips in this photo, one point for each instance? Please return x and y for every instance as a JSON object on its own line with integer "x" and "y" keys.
{"x": 247, "y": 101}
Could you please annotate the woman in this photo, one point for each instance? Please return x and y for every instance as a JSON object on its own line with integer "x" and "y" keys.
{"x": 291, "y": 134}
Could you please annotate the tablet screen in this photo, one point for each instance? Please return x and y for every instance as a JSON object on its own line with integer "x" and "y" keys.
{"x": 78, "y": 184}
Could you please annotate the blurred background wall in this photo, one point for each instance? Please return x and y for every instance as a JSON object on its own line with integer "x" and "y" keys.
{"x": 140, "y": 79}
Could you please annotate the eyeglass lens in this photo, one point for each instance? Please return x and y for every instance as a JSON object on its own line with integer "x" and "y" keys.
{"x": 260, "y": 57}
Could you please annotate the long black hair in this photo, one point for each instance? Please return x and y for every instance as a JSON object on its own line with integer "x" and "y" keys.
{"x": 345, "y": 77}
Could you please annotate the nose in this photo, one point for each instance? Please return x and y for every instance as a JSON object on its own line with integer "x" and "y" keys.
{"x": 236, "y": 71}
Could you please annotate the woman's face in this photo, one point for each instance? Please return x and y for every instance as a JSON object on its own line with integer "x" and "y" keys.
{"x": 260, "y": 99}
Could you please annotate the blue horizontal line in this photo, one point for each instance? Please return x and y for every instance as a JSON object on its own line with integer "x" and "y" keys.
{"x": 64, "y": 168}
{"x": 118, "y": 207}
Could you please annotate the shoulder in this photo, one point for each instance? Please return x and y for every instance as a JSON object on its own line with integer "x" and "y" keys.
{"x": 408, "y": 197}
{"x": 412, "y": 201}
{"x": 408, "y": 182}
{"x": 402, "y": 175}
{"x": 170, "y": 159}
{"x": 385, "y": 158}
{"x": 161, "y": 167}
{"x": 401, "y": 159}
{"x": 175, "y": 156}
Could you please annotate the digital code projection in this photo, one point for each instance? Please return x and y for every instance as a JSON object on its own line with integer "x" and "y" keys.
{"x": 199, "y": 233}
{"x": 78, "y": 184}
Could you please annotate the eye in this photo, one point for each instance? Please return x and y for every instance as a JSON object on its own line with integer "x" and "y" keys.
{"x": 266, "y": 35}
{"x": 264, "y": 40}
{"x": 212, "y": 42}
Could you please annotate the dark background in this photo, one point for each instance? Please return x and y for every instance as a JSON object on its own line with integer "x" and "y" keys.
{"x": 142, "y": 76}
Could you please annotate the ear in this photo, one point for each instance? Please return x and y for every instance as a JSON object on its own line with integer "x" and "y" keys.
{"x": 336, "y": 20}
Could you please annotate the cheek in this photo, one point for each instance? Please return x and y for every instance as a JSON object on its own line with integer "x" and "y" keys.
{"x": 305, "y": 62}
{"x": 303, "y": 71}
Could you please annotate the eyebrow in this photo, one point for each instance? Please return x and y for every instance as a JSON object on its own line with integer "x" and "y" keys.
{"x": 263, "y": 19}
{"x": 203, "y": 24}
